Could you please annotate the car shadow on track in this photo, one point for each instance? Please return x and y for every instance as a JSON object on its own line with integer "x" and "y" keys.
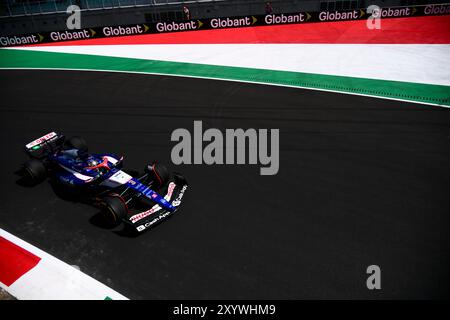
{"x": 22, "y": 181}
{"x": 123, "y": 230}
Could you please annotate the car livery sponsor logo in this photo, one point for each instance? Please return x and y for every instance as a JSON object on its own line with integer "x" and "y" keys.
{"x": 120, "y": 177}
{"x": 41, "y": 139}
{"x": 148, "y": 224}
{"x": 66, "y": 180}
{"x": 177, "y": 201}
{"x": 156, "y": 207}
{"x": 144, "y": 214}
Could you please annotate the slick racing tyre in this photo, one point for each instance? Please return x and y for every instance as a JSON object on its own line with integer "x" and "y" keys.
{"x": 158, "y": 173}
{"x": 34, "y": 171}
{"x": 114, "y": 209}
{"x": 76, "y": 143}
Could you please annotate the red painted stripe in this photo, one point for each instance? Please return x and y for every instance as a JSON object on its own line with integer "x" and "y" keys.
{"x": 14, "y": 261}
{"x": 418, "y": 30}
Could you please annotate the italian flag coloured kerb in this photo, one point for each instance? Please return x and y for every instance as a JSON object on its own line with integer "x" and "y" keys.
{"x": 407, "y": 59}
{"x": 29, "y": 273}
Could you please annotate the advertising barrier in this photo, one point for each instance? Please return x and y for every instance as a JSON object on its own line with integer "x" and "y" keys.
{"x": 220, "y": 23}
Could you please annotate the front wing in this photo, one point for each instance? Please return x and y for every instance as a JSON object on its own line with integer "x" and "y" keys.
{"x": 175, "y": 191}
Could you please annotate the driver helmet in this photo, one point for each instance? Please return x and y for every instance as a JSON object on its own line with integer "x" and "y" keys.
{"x": 92, "y": 163}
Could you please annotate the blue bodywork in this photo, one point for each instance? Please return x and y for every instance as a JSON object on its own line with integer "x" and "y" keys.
{"x": 73, "y": 170}
{"x": 96, "y": 177}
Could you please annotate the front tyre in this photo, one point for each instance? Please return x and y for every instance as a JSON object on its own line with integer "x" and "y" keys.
{"x": 158, "y": 174}
{"x": 34, "y": 171}
{"x": 114, "y": 209}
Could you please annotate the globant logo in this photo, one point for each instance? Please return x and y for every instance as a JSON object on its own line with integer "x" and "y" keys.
{"x": 436, "y": 9}
{"x": 122, "y": 31}
{"x": 174, "y": 26}
{"x": 15, "y": 41}
{"x": 280, "y": 19}
{"x": 228, "y": 23}
{"x": 389, "y": 12}
{"x": 67, "y": 35}
{"x": 335, "y": 16}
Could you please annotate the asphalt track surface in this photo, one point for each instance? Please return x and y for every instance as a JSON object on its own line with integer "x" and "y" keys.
{"x": 362, "y": 181}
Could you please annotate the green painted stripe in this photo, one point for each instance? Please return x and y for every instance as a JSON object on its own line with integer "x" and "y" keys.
{"x": 436, "y": 94}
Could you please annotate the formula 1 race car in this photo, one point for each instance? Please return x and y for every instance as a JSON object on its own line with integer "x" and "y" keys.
{"x": 140, "y": 202}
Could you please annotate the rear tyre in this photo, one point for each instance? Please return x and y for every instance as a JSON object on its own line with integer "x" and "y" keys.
{"x": 77, "y": 143}
{"x": 34, "y": 171}
{"x": 114, "y": 209}
{"x": 158, "y": 173}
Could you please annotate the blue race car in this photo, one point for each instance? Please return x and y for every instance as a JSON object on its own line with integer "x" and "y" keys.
{"x": 139, "y": 202}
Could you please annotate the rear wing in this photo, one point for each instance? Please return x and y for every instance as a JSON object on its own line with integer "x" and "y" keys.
{"x": 44, "y": 145}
